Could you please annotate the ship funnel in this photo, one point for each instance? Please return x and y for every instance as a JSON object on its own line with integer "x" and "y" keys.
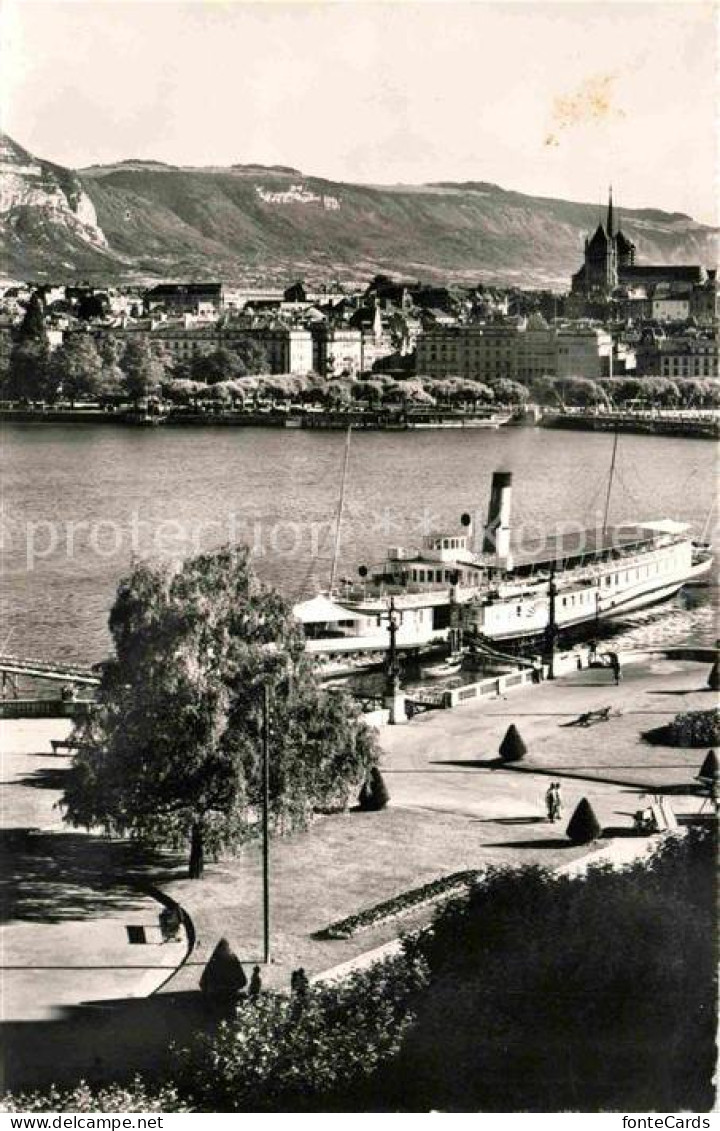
{"x": 496, "y": 539}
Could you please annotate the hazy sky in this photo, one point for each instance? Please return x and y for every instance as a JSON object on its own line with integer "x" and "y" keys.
{"x": 553, "y": 98}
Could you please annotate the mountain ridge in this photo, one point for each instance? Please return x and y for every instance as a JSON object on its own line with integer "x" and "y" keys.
{"x": 252, "y": 224}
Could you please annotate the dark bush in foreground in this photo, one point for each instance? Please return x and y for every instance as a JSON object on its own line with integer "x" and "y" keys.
{"x": 583, "y": 826}
{"x": 136, "y": 1097}
{"x": 285, "y": 1054}
{"x": 512, "y": 747}
{"x": 552, "y": 994}
{"x": 373, "y": 794}
{"x": 536, "y": 992}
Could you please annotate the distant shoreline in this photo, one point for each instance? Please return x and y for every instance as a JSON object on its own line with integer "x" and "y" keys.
{"x": 705, "y": 425}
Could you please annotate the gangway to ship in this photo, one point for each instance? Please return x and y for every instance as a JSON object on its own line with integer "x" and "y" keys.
{"x": 13, "y": 668}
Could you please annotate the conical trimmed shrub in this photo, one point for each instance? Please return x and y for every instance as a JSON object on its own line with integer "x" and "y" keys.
{"x": 714, "y": 678}
{"x": 512, "y": 747}
{"x": 584, "y": 826}
{"x": 709, "y": 768}
{"x": 374, "y": 793}
{"x": 223, "y": 978}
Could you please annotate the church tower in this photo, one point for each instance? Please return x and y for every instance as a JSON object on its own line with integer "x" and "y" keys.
{"x": 601, "y": 266}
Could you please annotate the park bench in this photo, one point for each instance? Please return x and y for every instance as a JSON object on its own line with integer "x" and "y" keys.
{"x": 589, "y": 718}
{"x": 67, "y": 744}
{"x": 63, "y": 744}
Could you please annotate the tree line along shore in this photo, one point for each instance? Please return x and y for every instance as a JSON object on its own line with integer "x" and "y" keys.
{"x": 109, "y": 374}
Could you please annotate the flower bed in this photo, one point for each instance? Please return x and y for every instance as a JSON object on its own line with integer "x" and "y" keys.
{"x": 693, "y": 728}
{"x": 404, "y": 904}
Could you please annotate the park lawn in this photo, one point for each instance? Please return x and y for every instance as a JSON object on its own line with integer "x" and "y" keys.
{"x": 342, "y": 864}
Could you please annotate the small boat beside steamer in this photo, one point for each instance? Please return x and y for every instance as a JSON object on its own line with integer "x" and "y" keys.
{"x": 446, "y": 669}
{"x": 501, "y": 591}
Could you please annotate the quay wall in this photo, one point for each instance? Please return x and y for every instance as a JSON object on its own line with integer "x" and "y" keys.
{"x": 698, "y": 428}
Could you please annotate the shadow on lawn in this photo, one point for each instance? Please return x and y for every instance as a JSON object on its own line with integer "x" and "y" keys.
{"x": 47, "y": 778}
{"x": 686, "y": 691}
{"x": 470, "y": 763}
{"x": 622, "y": 832}
{"x": 54, "y": 877}
{"x": 563, "y": 772}
{"x": 511, "y": 821}
{"x": 541, "y": 842}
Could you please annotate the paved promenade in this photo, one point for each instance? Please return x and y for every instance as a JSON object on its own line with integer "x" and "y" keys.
{"x": 66, "y": 901}
{"x": 70, "y": 898}
{"x": 448, "y": 761}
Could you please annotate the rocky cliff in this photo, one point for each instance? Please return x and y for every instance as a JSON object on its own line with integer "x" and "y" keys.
{"x": 251, "y": 223}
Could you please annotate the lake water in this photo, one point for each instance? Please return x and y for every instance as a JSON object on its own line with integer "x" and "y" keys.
{"x": 80, "y": 501}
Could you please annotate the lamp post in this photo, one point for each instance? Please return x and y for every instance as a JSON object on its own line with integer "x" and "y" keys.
{"x": 394, "y": 697}
{"x": 551, "y": 630}
{"x": 266, "y": 822}
{"x": 455, "y": 634}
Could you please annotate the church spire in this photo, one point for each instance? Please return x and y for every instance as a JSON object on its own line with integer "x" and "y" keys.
{"x": 610, "y": 231}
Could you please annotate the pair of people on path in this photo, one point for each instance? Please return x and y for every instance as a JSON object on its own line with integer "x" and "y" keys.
{"x": 553, "y": 802}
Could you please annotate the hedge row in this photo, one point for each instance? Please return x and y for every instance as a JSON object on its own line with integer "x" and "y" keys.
{"x": 693, "y": 728}
{"x": 456, "y": 883}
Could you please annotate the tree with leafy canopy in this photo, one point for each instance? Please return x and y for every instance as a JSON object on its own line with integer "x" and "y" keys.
{"x": 76, "y": 368}
{"x": 142, "y": 371}
{"x": 28, "y": 376}
{"x": 5, "y": 353}
{"x": 32, "y": 327}
{"x": 509, "y": 392}
{"x": 171, "y": 754}
{"x": 584, "y": 393}
{"x": 220, "y": 365}
{"x": 252, "y": 357}
{"x": 241, "y": 357}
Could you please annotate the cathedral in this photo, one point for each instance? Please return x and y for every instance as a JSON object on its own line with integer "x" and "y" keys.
{"x": 610, "y": 263}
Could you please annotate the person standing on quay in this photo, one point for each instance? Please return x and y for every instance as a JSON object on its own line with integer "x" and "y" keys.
{"x": 550, "y": 802}
{"x": 557, "y": 801}
{"x": 255, "y": 986}
{"x": 615, "y": 665}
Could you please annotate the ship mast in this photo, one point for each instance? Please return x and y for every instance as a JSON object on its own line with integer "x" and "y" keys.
{"x": 610, "y": 483}
{"x": 338, "y": 525}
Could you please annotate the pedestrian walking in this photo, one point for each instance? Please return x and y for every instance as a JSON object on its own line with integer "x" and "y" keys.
{"x": 557, "y": 801}
{"x": 255, "y": 987}
{"x": 550, "y": 802}
{"x": 615, "y": 665}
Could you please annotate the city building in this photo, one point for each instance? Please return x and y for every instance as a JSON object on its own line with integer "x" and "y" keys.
{"x": 205, "y": 300}
{"x": 521, "y": 350}
{"x": 610, "y": 271}
{"x": 337, "y": 350}
{"x": 688, "y": 357}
